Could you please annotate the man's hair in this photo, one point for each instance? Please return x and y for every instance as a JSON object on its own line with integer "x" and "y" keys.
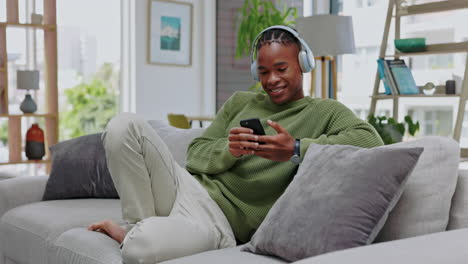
{"x": 277, "y": 35}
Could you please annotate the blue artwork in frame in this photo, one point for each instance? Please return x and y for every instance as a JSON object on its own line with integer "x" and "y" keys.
{"x": 170, "y": 33}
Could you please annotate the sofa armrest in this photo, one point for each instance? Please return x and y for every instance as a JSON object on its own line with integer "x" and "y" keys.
{"x": 458, "y": 209}
{"x": 444, "y": 247}
{"x": 21, "y": 190}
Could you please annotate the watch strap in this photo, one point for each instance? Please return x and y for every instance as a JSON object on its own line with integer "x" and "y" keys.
{"x": 297, "y": 147}
{"x": 295, "y": 158}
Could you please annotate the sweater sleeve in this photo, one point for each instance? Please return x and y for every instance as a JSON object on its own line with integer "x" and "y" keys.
{"x": 343, "y": 127}
{"x": 209, "y": 154}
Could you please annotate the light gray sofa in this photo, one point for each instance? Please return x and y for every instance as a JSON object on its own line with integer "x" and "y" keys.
{"x": 35, "y": 231}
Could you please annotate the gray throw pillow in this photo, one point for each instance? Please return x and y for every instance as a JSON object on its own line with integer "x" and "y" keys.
{"x": 79, "y": 170}
{"x": 339, "y": 198}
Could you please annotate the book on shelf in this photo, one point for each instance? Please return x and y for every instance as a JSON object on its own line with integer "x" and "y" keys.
{"x": 401, "y": 77}
{"x": 389, "y": 77}
{"x": 382, "y": 76}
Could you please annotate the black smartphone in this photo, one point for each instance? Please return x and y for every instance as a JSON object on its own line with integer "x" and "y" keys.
{"x": 254, "y": 124}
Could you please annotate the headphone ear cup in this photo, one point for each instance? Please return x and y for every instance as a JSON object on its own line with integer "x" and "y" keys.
{"x": 304, "y": 62}
{"x": 311, "y": 60}
{"x": 253, "y": 70}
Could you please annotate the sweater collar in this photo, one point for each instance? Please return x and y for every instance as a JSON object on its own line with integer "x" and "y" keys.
{"x": 267, "y": 100}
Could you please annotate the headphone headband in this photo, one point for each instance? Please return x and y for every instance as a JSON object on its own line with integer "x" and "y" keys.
{"x": 290, "y": 30}
{"x": 306, "y": 57}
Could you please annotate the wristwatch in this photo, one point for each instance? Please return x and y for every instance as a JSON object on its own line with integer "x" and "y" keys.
{"x": 296, "y": 157}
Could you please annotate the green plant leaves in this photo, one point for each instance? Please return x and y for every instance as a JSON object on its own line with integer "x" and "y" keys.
{"x": 412, "y": 127}
{"x": 4, "y": 133}
{"x": 91, "y": 104}
{"x": 257, "y": 15}
{"x": 390, "y": 130}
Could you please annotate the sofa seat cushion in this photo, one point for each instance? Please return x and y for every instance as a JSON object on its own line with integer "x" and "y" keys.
{"x": 29, "y": 230}
{"x": 79, "y": 246}
{"x": 225, "y": 256}
{"x": 437, "y": 248}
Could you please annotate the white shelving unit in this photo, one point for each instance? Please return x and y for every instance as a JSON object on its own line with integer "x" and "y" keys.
{"x": 395, "y": 12}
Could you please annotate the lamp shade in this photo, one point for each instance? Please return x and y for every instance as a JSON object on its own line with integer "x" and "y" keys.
{"x": 27, "y": 80}
{"x": 327, "y": 35}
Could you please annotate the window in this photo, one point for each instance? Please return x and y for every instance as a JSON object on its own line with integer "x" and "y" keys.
{"x": 89, "y": 64}
{"x": 435, "y": 122}
{"x": 360, "y": 3}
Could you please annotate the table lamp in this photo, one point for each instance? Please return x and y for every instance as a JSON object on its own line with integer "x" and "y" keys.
{"x": 327, "y": 36}
{"x": 28, "y": 80}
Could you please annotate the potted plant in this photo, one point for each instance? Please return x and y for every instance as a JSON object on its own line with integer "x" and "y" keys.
{"x": 390, "y": 130}
{"x": 257, "y": 15}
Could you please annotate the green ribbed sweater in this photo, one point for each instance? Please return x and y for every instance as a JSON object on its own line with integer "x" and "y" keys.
{"x": 245, "y": 188}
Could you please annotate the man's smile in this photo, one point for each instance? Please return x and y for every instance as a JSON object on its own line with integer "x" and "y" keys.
{"x": 277, "y": 90}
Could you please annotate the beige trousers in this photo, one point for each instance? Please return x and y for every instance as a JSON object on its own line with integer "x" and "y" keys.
{"x": 170, "y": 213}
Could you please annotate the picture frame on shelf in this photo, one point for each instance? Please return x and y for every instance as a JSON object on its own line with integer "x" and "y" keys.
{"x": 170, "y": 33}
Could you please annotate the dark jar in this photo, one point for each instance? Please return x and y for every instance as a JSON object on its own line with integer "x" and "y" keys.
{"x": 35, "y": 148}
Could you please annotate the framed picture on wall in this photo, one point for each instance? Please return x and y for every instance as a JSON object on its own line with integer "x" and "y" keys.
{"x": 170, "y": 33}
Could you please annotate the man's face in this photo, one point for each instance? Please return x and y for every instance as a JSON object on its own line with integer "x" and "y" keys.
{"x": 280, "y": 73}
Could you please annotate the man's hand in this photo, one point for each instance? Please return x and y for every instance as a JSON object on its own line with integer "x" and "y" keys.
{"x": 240, "y": 141}
{"x": 279, "y": 147}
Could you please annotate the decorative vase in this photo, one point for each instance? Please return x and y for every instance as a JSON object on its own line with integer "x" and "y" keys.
{"x": 35, "y": 149}
{"x": 28, "y": 106}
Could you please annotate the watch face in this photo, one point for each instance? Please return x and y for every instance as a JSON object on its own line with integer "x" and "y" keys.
{"x": 295, "y": 159}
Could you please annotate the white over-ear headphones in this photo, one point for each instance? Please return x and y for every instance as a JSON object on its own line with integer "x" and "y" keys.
{"x": 306, "y": 57}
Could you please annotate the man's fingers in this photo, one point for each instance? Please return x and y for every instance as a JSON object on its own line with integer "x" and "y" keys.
{"x": 248, "y": 145}
{"x": 243, "y": 145}
{"x": 242, "y": 136}
{"x": 277, "y": 127}
{"x": 239, "y": 130}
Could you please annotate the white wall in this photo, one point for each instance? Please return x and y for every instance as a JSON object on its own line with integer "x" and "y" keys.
{"x": 159, "y": 89}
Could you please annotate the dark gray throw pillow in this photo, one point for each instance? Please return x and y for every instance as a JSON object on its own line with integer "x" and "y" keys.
{"x": 79, "y": 170}
{"x": 339, "y": 198}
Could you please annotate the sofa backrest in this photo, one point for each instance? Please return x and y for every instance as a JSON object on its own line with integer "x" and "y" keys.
{"x": 424, "y": 206}
{"x": 176, "y": 139}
